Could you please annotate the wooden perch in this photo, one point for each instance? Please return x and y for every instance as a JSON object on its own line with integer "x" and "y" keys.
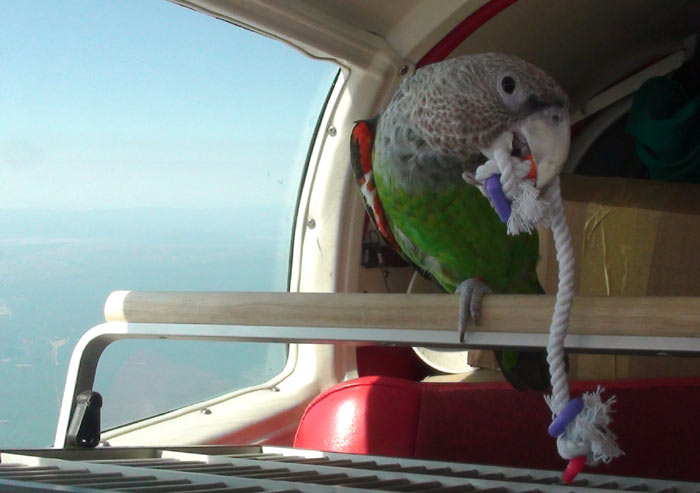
{"x": 621, "y": 316}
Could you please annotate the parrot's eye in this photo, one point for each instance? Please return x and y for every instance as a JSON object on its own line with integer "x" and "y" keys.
{"x": 508, "y": 84}
{"x": 510, "y": 90}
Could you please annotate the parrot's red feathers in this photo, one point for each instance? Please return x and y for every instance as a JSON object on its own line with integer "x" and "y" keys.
{"x": 362, "y": 137}
{"x": 361, "y": 143}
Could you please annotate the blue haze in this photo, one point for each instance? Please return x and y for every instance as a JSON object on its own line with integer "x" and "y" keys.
{"x": 143, "y": 146}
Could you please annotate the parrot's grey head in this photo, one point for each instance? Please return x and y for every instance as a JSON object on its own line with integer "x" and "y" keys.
{"x": 463, "y": 106}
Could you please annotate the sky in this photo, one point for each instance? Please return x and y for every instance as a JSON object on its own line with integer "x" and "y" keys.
{"x": 118, "y": 103}
{"x": 129, "y": 129}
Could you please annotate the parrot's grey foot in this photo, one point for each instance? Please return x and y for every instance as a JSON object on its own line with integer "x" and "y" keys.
{"x": 471, "y": 292}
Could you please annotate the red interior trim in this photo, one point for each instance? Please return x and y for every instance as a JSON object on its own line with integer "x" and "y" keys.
{"x": 463, "y": 30}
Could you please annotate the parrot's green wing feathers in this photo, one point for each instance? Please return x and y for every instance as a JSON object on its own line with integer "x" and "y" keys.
{"x": 454, "y": 234}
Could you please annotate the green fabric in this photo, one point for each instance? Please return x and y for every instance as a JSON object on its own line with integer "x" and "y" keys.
{"x": 666, "y": 125}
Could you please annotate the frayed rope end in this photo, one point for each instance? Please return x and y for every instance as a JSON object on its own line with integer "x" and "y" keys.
{"x": 588, "y": 433}
{"x": 528, "y": 211}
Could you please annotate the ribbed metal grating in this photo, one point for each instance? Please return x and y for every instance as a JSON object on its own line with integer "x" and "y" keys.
{"x": 274, "y": 469}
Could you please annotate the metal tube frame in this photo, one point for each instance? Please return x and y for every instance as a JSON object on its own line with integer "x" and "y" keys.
{"x": 86, "y": 355}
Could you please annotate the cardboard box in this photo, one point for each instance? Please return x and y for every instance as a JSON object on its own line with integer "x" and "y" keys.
{"x": 631, "y": 238}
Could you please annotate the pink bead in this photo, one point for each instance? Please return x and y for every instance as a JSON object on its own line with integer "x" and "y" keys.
{"x": 574, "y": 467}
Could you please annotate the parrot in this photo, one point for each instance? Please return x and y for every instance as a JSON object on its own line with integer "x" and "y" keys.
{"x": 412, "y": 163}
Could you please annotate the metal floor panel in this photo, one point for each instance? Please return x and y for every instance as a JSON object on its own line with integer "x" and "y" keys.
{"x": 278, "y": 469}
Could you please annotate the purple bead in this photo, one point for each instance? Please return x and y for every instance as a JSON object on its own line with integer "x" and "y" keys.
{"x": 500, "y": 202}
{"x": 566, "y": 416}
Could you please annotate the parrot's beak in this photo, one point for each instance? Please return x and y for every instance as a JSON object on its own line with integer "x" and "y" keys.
{"x": 548, "y": 135}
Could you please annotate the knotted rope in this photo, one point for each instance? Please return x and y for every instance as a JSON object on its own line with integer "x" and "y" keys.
{"x": 580, "y": 424}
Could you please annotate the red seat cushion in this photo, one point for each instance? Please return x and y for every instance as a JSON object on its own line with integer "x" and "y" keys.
{"x": 369, "y": 415}
{"x": 655, "y": 421}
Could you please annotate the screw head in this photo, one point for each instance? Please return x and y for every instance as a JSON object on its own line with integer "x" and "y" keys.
{"x": 332, "y": 131}
{"x": 403, "y": 69}
{"x": 311, "y": 223}
{"x": 206, "y": 410}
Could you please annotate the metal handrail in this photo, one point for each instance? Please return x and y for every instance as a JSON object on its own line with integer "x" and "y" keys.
{"x": 598, "y": 324}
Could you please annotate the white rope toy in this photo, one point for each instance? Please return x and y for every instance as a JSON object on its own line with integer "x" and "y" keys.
{"x": 580, "y": 424}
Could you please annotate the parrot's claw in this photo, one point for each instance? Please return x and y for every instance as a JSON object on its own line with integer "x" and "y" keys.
{"x": 471, "y": 292}
{"x": 471, "y": 179}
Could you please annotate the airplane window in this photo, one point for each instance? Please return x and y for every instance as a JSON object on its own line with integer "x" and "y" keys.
{"x": 139, "y": 379}
{"x": 143, "y": 146}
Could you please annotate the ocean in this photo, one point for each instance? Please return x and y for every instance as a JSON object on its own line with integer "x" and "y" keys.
{"x": 57, "y": 269}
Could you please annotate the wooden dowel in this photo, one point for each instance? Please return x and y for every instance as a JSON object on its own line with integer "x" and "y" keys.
{"x": 628, "y": 316}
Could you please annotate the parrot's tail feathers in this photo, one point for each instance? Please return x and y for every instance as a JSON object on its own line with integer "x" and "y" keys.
{"x": 525, "y": 370}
